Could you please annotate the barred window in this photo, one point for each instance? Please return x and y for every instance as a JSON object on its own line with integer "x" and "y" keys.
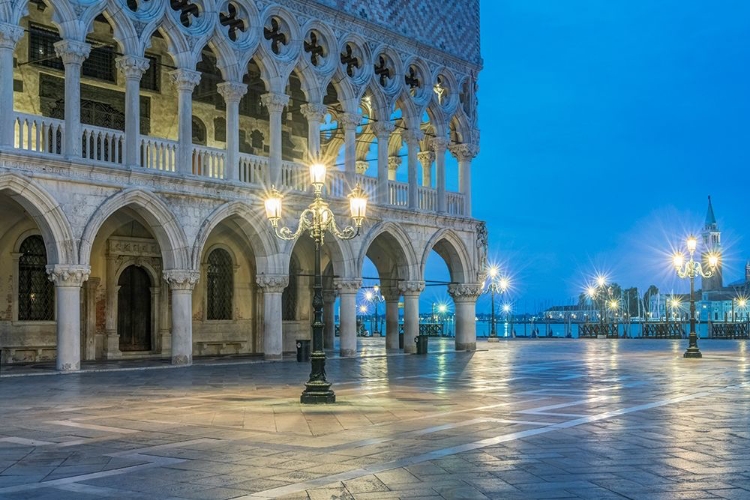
{"x": 36, "y": 293}
{"x": 100, "y": 64}
{"x": 42, "y": 47}
{"x": 150, "y": 79}
{"x": 219, "y": 285}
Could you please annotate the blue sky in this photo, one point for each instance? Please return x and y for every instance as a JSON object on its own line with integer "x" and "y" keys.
{"x": 605, "y": 125}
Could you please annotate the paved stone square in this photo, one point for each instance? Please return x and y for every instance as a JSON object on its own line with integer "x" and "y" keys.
{"x": 593, "y": 419}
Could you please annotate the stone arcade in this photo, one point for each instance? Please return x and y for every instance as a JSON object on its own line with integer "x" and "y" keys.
{"x": 138, "y": 138}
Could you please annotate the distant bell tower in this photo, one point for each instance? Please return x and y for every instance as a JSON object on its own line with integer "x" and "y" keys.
{"x": 711, "y": 243}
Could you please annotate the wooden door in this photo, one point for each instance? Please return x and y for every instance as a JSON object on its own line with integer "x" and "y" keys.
{"x": 134, "y": 310}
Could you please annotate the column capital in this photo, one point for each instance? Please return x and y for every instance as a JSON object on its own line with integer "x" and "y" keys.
{"x": 272, "y": 283}
{"x": 426, "y": 158}
{"x": 231, "y": 91}
{"x": 464, "y": 152}
{"x": 439, "y": 144}
{"x": 350, "y": 120}
{"x": 72, "y": 52}
{"x": 347, "y": 286}
{"x": 329, "y": 296}
{"x": 411, "y": 287}
{"x": 383, "y": 129}
{"x": 132, "y": 67}
{"x": 412, "y": 137}
{"x": 185, "y": 79}
{"x": 68, "y": 275}
{"x": 181, "y": 279}
{"x": 465, "y": 292}
{"x": 10, "y": 34}
{"x": 390, "y": 293}
{"x": 314, "y": 112}
{"x": 274, "y": 102}
{"x": 394, "y": 162}
{"x": 362, "y": 166}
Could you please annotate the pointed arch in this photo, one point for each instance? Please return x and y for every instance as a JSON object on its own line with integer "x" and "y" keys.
{"x": 340, "y": 253}
{"x": 399, "y": 242}
{"x": 453, "y": 251}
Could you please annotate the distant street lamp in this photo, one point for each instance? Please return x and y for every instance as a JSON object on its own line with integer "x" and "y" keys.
{"x": 496, "y": 284}
{"x": 318, "y": 219}
{"x": 690, "y": 270}
{"x": 506, "y": 310}
{"x": 599, "y": 293}
{"x": 375, "y": 298}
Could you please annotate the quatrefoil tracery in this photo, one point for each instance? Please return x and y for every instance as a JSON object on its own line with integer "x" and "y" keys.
{"x": 275, "y": 35}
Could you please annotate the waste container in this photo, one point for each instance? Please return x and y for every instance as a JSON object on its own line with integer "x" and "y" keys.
{"x": 421, "y": 341}
{"x": 401, "y": 340}
{"x": 303, "y": 350}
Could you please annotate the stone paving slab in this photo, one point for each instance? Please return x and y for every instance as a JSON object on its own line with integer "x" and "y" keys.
{"x": 586, "y": 419}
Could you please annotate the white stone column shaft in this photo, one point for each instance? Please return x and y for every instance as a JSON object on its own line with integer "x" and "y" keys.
{"x": 68, "y": 280}
{"x": 73, "y": 54}
{"x": 111, "y": 338}
{"x": 132, "y": 67}
{"x": 273, "y": 336}
{"x": 465, "y": 153}
{"x": 165, "y": 333}
{"x": 411, "y": 291}
{"x": 232, "y": 93}
{"x": 185, "y": 81}
{"x": 89, "y": 320}
{"x": 426, "y": 158}
{"x": 9, "y": 36}
{"x": 350, "y": 122}
{"x": 314, "y": 113}
{"x": 347, "y": 290}
{"x": 439, "y": 145}
{"x": 383, "y": 131}
{"x": 393, "y": 163}
{"x": 391, "y": 322}
{"x": 182, "y": 283}
{"x": 412, "y": 138}
{"x": 465, "y": 300}
{"x": 275, "y": 104}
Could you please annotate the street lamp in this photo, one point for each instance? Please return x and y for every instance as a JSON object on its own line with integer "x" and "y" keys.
{"x": 506, "y": 310}
{"x": 375, "y": 297}
{"x": 599, "y": 293}
{"x": 691, "y": 269}
{"x": 496, "y": 284}
{"x": 318, "y": 218}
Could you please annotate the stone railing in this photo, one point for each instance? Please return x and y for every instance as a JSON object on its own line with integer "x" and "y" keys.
{"x": 39, "y": 134}
{"x": 209, "y": 162}
{"x": 427, "y": 198}
{"x": 102, "y": 144}
{"x": 369, "y": 184}
{"x": 398, "y": 193}
{"x": 158, "y": 154}
{"x": 454, "y": 203}
{"x": 253, "y": 169}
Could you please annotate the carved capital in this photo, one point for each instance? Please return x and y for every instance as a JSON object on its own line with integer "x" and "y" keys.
{"x": 426, "y": 158}
{"x": 231, "y": 91}
{"x": 465, "y": 292}
{"x": 412, "y": 137}
{"x": 314, "y": 112}
{"x": 185, "y": 80}
{"x": 181, "y": 279}
{"x": 132, "y": 67}
{"x": 362, "y": 166}
{"x": 10, "y": 34}
{"x": 394, "y": 162}
{"x": 272, "y": 283}
{"x": 72, "y": 52}
{"x": 390, "y": 294}
{"x": 68, "y": 276}
{"x": 411, "y": 287}
{"x": 464, "y": 152}
{"x": 274, "y": 102}
{"x": 383, "y": 129}
{"x": 347, "y": 286}
{"x": 329, "y": 296}
{"x": 350, "y": 121}
{"x": 439, "y": 144}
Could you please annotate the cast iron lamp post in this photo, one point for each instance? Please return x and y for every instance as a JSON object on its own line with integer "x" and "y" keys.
{"x": 596, "y": 293}
{"x": 496, "y": 284}
{"x": 318, "y": 218}
{"x": 691, "y": 269}
{"x": 375, "y": 297}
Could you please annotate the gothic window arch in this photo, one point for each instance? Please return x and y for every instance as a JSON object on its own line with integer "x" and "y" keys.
{"x": 289, "y": 295}
{"x": 219, "y": 285}
{"x": 36, "y": 293}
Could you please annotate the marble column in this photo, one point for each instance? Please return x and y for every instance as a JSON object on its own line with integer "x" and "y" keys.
{"x": 165, "y": 331}
{"x": 383, "y": 131}
{"x": 426, "y": 158}
{"x": 274, "y": 103}
{"x": 329, "y": 319}
{"x": 362, "y": 166}
{"x": 68, "y": 280}
{"x": 314, "y": 113}
{"x": 465, "y": 153}
{"x": 132, "y": 68}
{"x": 185, "y": 81}
{"x": 111, "y": 338}
{"x": 391, "y": 318}
{"x": 347, "y": 290}
{"x": 273, "y": 336}
{"x": 182, "y": 282}
{"x": 232, "y": 93}
{"x": 73, "y": 54}
{"x": 465, "y": 299}
{"x": 411, "y": 291}
{"x": 393, "y": 163}
{"x": 412, "y": 138}
{"x": 350, "y": 122}
{"x": 10, "y": 34}
{"x": 89, "y": 318}
{"x": 439, "y": 145}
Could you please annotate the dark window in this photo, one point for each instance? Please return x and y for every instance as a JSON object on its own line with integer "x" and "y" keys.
{"x": 100, "y": 64}
{"x": 36, "y": 293}
{"x": 42, "y": 47}
{"x": 199, "y": 131}
{"x": 150, "y": 79}
{"x": 206, "y": 91}
{"x": 219, "y": 285}
{"x": 289, "y": 295}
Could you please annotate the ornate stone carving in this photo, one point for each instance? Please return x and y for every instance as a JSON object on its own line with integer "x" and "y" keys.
{"x": 482, "y": 247}
{"x": 465, "y": 291}
{"x": 138, "y": 247}
{"x": 347, "y": 286}
{"x": 426, "y": 158}
{"x": 411, "y": 287}
{"x": 72, "y": 52}
{"x": 272, "y": 283}
{"x": 350, "y": 120}
{"x": 68, "y": 275}
{"x": 274, "y": 102}
{"x": 394, "y": 162}
{"x": 390, "y": 294}
{"x": 329, "y": 296}
{"x": 464, "y": 152}
{"x": 181, "y": 279}
{"x": 185, "y": 80}
{"x": 314, "y": 112}
{"x": 383, "y": 129}
{"x": 439, "y": 144}
{"x": 412, "y": 137}
{"x": 231, "y": 91}
{"x": 362, "y": 166}
{"x": 9, "y": 35}
{"x": 132, "y": 67}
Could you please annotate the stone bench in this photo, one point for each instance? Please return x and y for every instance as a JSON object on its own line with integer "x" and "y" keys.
{"x": 218, "y": 347}
{"x": 28, "y": 353}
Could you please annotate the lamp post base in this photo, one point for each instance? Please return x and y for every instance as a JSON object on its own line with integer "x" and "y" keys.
{"x": 692, "y": 352}
{"x": 317, "y": 397}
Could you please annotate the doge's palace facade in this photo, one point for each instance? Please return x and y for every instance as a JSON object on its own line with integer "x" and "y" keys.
{"x": 138, "y": 139}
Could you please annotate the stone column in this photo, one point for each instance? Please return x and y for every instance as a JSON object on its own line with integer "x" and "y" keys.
{"x": 465, "y": 153}
{"x": 362, "y": 166}
{"x": 68, "y": 280}
{"x": 391, "y": 318}
{"x": 426, "y": 158}
{"x": 314, "y": 113}
{"x": 182, "y": 282}
{"x": 165, "y": 333}
{"x": 275, "y": 104}
{"x": 329, "y": 319}
{"x": 383, "y": 131}
{"x": 10, "y": 34}
{"x": 132, "y": 68}
{"x": 273, "y": 340}
{"x": 73, "y": 54}
{"x": 465, "y": 299}
{"x": 439, "y": 145}
{"x": 185, "y": 81}
{"x": 350, "y": 121}
{"x": 347, "y": 290}
{"x": 89, "y": 319}
{"x": 111, "y": 338}
{"x": 393, "y": 163}
{"x": 412, "y": 138}
{"x": 411, "y": 291}
{"x": 232, "y": 93}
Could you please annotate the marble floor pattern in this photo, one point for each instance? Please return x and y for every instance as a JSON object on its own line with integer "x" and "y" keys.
{"x": 536, "y": 419}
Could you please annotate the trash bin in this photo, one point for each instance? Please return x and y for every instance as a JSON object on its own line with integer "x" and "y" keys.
{"x": 401, "y": 340}
{"x": 303, "y": 350}
{"x": 421, "y": 341}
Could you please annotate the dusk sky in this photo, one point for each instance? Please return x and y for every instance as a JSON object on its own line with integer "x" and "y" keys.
{"x": 605, "y": 125}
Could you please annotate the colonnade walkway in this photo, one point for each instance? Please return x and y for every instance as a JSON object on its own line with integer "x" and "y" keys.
{"x": 592, "y": 419}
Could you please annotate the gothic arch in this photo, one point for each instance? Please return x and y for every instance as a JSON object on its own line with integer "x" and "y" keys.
{"x": 341, "y": 258}
{"x": 399, "y": 243}
{"x": 453, "y": 251}
{"x": 48, "y": 215}
{"x": 167, "y": 230}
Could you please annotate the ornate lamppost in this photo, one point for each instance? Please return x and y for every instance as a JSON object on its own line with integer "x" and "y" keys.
{"x": 597, "y": 294}
{"x": 375, "y": 297}
{"x": 690, "y": 270}
{"x": 496, "y": 284}
{"x": 318, "y": 219}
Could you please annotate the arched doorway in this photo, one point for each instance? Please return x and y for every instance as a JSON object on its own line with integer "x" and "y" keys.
{"x": 134, "y": 309}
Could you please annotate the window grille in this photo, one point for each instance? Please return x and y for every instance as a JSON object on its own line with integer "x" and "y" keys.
{"x": 42, "y": 47}
{"x": 100, "y": 64}
{"x": 36, "y": 293}
{"x": 150, "y": 79}
{"x": 219, "y": 285}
